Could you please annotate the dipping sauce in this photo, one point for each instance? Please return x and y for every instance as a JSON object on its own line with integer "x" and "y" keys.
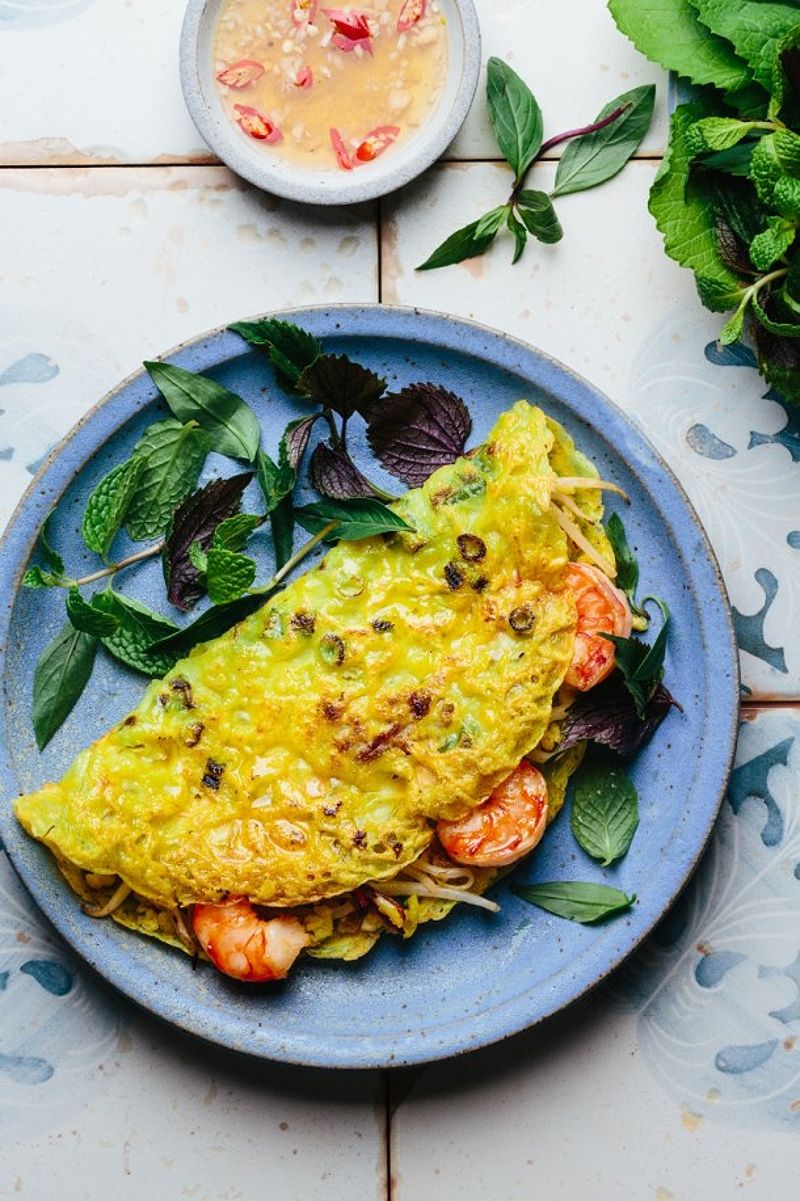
{"x": 330, "y": 87}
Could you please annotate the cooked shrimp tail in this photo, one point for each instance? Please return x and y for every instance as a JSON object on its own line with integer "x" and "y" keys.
{"x": 504, "y": 827}
{"x": 242, "y": 945}
{"x": 602, "y": 609}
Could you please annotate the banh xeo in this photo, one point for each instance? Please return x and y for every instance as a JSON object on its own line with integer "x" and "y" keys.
{"x": 379, "y": 740}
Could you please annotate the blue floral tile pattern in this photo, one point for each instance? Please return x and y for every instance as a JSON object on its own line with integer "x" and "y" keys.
{"x": 56, "y": 1025}
{"x": 717, "y": 988}
{"x": 735, "y": 446}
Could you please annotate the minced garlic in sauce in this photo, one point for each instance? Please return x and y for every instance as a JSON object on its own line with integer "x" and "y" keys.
{"x": 330, "y": 87}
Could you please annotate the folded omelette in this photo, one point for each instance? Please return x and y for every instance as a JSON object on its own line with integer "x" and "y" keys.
{"x": 304, "y": 758}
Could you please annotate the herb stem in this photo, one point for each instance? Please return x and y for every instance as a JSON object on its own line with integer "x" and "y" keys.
{"x": 296, "y": 558}
{"x": 328, "y": 415}
{"x": 584, "y": 129}
{"x": 113, "y": 568}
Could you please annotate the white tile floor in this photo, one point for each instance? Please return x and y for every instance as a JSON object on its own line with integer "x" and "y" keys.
{"x": 682, "y": 1081}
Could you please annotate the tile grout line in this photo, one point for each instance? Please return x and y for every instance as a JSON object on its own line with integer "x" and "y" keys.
{"x": 65, "y": 165}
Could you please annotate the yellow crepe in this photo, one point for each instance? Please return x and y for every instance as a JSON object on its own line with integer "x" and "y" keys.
{"x": 312, "y": 748}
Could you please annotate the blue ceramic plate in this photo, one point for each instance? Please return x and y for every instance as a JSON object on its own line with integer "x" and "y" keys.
{"x": 473, "y": 978}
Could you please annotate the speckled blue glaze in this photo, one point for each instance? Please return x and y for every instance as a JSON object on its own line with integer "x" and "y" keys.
{"x": 474, "y": 978}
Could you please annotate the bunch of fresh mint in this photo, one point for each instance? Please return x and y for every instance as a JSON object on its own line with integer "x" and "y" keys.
{"x": 727, "y": 197}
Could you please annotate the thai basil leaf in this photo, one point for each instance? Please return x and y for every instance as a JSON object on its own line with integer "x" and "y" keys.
{"x": 228, "y": 420}
{"x": 463, "y": 244}
{"x": 627, "y": 566}
{"x": 173, "y": 456}
{"x": 605, "y": 808}
{"x": 593, "y": 158}
{"x": 211, "y": 624}
{"x": 520, "y": 235}
{"x": 580, "y": 902}
{"x": 60, "y": 677}
{"x": 355, "y": 519}
{"x": 52, "y": 558}
{"x": 515, "y": 115}
{"x": 642, "y": 666}
{"x": 275, "y": 481}
{"x": 281, "y": 521}
{"x": 537, "y": 212}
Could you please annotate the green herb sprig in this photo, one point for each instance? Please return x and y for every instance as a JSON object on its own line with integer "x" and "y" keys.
{"x": 727, "y": 197}
{"x": 596, "y": 153}
{"x": 201, "y": 533}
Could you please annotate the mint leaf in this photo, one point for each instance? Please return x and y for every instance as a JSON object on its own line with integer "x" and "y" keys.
{"x": 230, "y": 423}
{"x": 228, "y": 574}
{"x": 520, "y": 235}
{"x": 605, "y": 809}
{"x": 669, "y": 33}
{"x": 199, "y": 559}
{"x": 784, "y": 329}
{"x": 685, "y": 216}
{"x": 173, "y": 456}
{"x": 211, "y": 624}
{"x": 290, "y": 348}
{"x": 717, "y": 295}
{"x": 138, "y": 628}
{"x": 232, "y": 534}
{"x": 87, "y": 618}
{"x": 537, "y": 212}
{"x": 52, "y": 558}
{"x": 733, "y": 329}
{"x": 108, "y": 504}
{"x": 593, "y": 158}
{"x": 515, "y": 115}
{"x": 416, "y": 430}
{"x": 335, "y": 382}
{"x": 335, "y": 475}
{"x": 356, "y": 519}
{"x": 580, "y": 902}
{"x": 465, "y": 243}
{"x": 60, "y": 677}
{"x": 716, "y": 133}
{"x": 772, "y": 243}
{"x": 37, "y": 577}
{"x": 195, "y": 522}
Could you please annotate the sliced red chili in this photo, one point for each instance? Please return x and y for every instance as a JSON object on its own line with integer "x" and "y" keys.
{"x": 303, "y": 12}
{"x": 241, "y": 74}
{"x": 257, "y": 124}
{"x": 304, "y": 78}
{"x": 342, "y": 153}
{"x": 411, "y": 12}
{"x": 376, "y": 141}
{"x": 351, "y": 29}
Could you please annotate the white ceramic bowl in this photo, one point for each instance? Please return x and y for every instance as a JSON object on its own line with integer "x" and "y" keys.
{"x": 284, "y": 178}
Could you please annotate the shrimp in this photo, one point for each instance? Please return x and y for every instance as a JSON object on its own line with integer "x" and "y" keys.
{"x": 503, "y": 828}
{"x": 601, "y": 607}
{"x": 241, "y": 944}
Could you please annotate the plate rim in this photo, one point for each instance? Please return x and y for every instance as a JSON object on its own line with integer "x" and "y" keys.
{"x": 30, "y": 511}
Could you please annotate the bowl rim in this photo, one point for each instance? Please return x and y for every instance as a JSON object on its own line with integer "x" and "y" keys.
{"x": 344, "y": 190}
